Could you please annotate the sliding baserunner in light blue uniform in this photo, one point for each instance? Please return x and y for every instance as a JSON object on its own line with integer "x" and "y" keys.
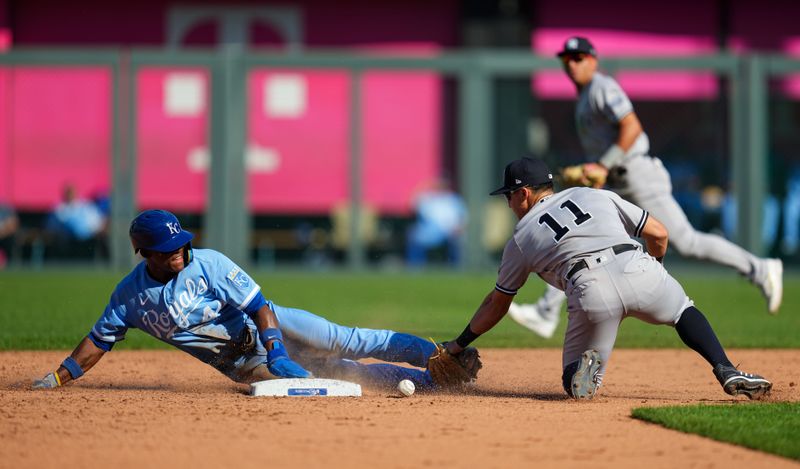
{"x": 201, "y": 302}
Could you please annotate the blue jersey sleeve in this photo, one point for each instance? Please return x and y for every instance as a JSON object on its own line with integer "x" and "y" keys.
{"x": 111, "y": 327}
{"x": 255, "y": 304}
{"x": 231, "y": 284}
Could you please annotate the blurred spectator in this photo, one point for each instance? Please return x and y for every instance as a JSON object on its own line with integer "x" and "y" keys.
{"x": 9, "y": 224}
{"x": 441, "y": 216}
{"x": 75, "y": 222}
{"x": 791, "y": 214}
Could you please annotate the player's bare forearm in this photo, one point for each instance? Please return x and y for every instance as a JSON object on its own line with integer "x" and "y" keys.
{"x": 489, "y": 313}
{"x": 656, "y": 237}
{"x": 267, "y": 325}
{"x": 265, "y": 318}
{"x": 86, "y": 354}
{"x": 629, "y": 130}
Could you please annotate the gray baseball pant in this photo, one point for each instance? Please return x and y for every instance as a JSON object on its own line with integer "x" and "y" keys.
{"x": 612, "y": 288}
{"x": 647, "y": 184}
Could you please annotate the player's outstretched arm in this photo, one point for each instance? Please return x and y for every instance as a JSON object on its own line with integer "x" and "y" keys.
{"x": 656, "y": 237}
{"x": 85, "y": 356}
{"x": 489, "y": 313}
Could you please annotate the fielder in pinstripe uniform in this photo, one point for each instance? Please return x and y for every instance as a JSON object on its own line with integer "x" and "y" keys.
{"x": 615, "y": 143}
{"x": 580, "y": 241}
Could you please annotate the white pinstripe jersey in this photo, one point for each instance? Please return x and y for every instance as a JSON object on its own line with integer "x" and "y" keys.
{"x": 563, "y": 226}
{"x": 600, "y": 107}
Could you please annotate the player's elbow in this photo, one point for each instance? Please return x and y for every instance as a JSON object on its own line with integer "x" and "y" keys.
{"x": 654, "y": 230}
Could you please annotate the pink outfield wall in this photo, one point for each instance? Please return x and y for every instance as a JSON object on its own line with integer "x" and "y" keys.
{"x": 5, "y": 31}
{"x": 6, "y": 176}
{"x": 308, "y": 154}
{"x": 680, "y": 27}
{"x": 165, "y": 143}
{"x": 56, "y": 131}
{"x": 297, "y": 164}
{"x": 54, "y": 122}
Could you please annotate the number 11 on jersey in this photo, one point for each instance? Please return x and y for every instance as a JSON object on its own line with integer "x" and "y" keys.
{"x": 561, "y": 231}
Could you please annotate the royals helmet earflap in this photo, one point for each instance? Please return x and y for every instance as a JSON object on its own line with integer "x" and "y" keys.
{"x": 160, "y": 231}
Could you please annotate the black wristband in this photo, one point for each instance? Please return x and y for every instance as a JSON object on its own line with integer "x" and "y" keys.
{"x": 466, "y": 337}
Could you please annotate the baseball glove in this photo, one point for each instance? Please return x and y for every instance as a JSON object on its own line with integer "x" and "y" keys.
{"x": 583, "y": 175}
{"x": 450, "y": 371}
{"x": 617, "y": 177}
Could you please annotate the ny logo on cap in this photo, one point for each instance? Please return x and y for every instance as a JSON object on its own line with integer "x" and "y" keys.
{"x": 174, "y": 228}
{"x": 572, "y": 43}
{"x": 517, "y": 181}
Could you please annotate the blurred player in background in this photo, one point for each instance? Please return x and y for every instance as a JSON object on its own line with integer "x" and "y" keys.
{"x": 76, "y": 225}
{"x": 617, "y": 146}
{"x": 441, "y": 216}
{"x": 199, "y": 301}
{"x": 580, "y": 241}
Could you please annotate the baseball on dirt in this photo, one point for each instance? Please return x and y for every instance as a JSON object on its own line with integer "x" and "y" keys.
{"x": 406, "y": 387}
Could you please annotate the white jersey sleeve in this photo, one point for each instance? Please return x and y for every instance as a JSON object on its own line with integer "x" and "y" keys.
{"x": 514, "y": 270}
{"x": 632, "y": 216}
{"x": 610, "y": 100}
{"x": 600, "y": 107}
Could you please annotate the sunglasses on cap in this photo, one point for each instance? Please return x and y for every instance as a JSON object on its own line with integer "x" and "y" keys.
{"x": 510, "y": 193}
{"x": 572, "y": 58}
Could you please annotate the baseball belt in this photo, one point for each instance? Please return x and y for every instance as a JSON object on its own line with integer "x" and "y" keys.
{"x": 582, "y": 264}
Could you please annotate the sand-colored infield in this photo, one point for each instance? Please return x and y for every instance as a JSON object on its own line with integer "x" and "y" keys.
{"x": 166, "y": 409}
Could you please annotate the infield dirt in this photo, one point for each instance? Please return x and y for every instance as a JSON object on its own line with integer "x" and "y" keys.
{"x": 165, "y": 409}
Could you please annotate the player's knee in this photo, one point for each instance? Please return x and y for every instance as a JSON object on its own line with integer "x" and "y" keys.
{"x": 686, "y": 242}
{"x": 566, "y": 376}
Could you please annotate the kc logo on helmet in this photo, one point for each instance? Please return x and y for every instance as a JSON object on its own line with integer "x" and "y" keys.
{"x": 174, "y": 228}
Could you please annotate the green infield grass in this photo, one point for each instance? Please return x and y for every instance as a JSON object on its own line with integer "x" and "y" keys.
{"x": 53, "y": 309}
{"x": 769, "y": 427}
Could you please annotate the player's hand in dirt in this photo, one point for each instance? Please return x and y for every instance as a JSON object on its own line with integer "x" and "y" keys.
{"x": 50, "y": 381}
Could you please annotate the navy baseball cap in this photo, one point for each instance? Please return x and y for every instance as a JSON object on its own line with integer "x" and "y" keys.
{"x": 524, "y": 172}
{"x": 158, "y": 230}
{"x": 577, "y": 45}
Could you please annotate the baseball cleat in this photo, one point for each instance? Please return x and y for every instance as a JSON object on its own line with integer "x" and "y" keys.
{"x": 772, "y": 286}
{"x": 531, "y": 317}
{"x": 584, "y": 381}
{"x": 736, "y": 382}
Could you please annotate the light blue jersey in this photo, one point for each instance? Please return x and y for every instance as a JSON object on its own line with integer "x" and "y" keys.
{"x": 200, "y": 311}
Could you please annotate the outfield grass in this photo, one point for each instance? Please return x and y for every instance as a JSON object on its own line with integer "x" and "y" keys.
{"x": 54, "y": 309}
{"x": 769, "y": 427}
